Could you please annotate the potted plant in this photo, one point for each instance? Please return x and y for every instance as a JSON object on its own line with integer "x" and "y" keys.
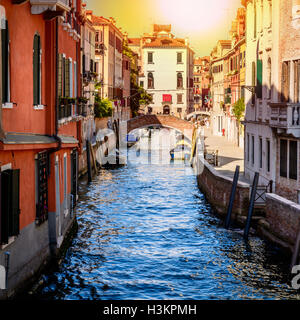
{"x": 83, "y": 100}
{"x": 63, "y": 101}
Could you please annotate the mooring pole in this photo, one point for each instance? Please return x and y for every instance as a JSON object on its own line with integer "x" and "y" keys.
{"x": 232, "y": 196}
{"x": 295, "y": 258}
{"x": 88, "y": 159}
{"x": 251, "y": 207}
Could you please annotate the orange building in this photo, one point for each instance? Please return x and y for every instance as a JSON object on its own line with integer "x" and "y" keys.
{"x": 40, "y": 140}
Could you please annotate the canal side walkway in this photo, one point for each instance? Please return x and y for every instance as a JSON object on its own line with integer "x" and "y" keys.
{"x": 229, "y": 154}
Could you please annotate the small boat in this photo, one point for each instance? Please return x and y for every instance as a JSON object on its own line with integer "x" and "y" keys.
{"x": 131, "y": 140}
{"x": 114, "y": 159}
{"x": 181, "y": 152}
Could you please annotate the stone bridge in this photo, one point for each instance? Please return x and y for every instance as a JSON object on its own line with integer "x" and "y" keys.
{"x": 167, "y": 121}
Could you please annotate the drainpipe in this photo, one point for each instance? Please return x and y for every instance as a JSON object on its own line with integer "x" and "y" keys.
{"x": 56, "y": 92}
{"x": 1, "y": 127}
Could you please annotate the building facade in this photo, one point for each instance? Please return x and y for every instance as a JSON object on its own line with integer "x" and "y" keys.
{"x": 284, "y": 108}
{"x": 168, "y": 72}
{"x": 202, "y": 83}
{"x": 262, "y": 34}
{"x": 40, "y": 141}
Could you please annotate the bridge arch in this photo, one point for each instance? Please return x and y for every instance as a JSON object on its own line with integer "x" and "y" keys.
{"x": 168, "y": 121}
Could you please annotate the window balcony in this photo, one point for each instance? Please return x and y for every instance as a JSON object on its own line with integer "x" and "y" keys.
{"x": 285, "y": 117}
{"x": 41, "y": 6}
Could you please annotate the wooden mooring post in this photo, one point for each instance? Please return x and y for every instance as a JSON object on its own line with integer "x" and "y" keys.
{"x": 251, "y": 206}
{"x": 232, "y": 196}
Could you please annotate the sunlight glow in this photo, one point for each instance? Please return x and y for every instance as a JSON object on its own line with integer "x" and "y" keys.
{"x": 194, "y": 15}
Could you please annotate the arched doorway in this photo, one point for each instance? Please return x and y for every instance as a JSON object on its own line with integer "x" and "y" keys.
{"x": 166, "y": 110}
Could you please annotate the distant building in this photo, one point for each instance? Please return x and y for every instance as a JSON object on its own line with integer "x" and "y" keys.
{"x": 167, "y": 71}
{"x": 202, "y": 83}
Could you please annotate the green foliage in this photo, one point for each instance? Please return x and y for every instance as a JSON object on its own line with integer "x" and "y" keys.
{"x": 103, "y": 108}
{"x": 238, "y": 109}
{"x": 139, "y": 97}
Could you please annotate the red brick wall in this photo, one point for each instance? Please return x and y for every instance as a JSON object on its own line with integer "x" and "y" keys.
{"x": 217, "y": 190}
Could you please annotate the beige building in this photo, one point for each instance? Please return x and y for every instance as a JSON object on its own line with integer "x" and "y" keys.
{"x": 166, "y": 71}
{"x": 262, "y": 35}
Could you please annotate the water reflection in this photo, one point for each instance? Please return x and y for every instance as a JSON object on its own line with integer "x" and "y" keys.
{"x": 147, "y": 232}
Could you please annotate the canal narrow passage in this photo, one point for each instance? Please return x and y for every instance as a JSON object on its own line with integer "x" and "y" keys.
{"x": 147, "y": 232}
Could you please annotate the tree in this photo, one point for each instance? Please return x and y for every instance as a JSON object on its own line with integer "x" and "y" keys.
{"x": 238, "y": 110}
{"x": 139, "y": 97}
{"x": 103, "y": 108}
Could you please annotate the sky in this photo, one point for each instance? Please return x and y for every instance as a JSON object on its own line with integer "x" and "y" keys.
{"x": 204, "y": 22}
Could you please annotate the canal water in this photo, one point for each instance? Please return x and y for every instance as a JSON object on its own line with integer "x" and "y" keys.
{"x": 147, "y": 232}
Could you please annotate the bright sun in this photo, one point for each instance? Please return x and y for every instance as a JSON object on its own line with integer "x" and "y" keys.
{"x": 194, "y": 15}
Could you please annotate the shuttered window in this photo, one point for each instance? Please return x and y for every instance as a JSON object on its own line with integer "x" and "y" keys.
{"x": 42, "y": 173}
{"x": 253, "y": 80}
{"x": 293, "y": 160}
{"x": 285, "y": 81}
{"x": 297, "y": 81}
{"x": 283, "y": 158}
{"x": 10, "y": 204}
{"x": 5, "y": 62}
{"x": 60, "y": 75}
{"x": 67, "y": 78}
{"x": 259, "y": 79}
{"x": 37, "y": 70}
{"x": 71, "y": 78}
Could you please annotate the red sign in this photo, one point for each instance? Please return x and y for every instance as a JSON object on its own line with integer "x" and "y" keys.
{"x": 167, "y": 98}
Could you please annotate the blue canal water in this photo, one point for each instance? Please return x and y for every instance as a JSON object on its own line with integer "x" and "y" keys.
{"x": 147, "y": 232}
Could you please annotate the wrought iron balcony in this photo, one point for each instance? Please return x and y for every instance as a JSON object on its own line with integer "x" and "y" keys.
{"x": 286, "y": 118}
{"x": 41, "y": 6}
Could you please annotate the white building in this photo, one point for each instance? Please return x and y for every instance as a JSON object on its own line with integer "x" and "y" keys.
{"x": 261, "y": 77}
{"x": 167, "y": 72}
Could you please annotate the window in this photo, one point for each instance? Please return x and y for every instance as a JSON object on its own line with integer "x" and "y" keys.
{"x": 268, "y": 155}
{"x": 260, "y": 153}
{"x": 179, "y": 98}
{"x": 150, "y": 57}
{"x": 150, "y": 81}
{"x": 179, "y": 110}
{"x": 269, "y": 88}
{"x": 150, "y": 110}
{"x": 285, "y": 81}
{"x": 259, "y": 79}
{"x": 248, "y": 147}
{"x": 283, "y": 158}
{"x": 297, "y": 81}
{"x": 97, "y": 37}
{"x": 42, "y": 173}
{"x": 111, "y": 39}
{"x": 66, "y": 83}
{"x": 179, "y": 80}
{"x": 253, "y": 81}
{"x": 74, "y": 176}
{"x": 253, "y": 150}
{"x": 10, "y": 204}
{"x": 5, "y": 60}
{"x": 75, "y": 79}
{"x": 293, "y": 159}
{"x": 288, "y": 159}
{"x": 71, "y": 78}
{"x": 179, "y": 57}
{"x": 142, "y": 84}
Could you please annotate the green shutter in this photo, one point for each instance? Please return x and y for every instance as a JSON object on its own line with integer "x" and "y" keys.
{"x": 14, "y": 227}
{"x": 60, "y": 75}
{"x": 36, "y": 69}
{"x": 67, "y": 78}
{"x": 5, "y": 62}
{"x": 259, "y": 79}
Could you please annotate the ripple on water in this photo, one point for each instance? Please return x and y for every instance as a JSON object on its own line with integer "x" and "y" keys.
{"x": 147, "y": 232}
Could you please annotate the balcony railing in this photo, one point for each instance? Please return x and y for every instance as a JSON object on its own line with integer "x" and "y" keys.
{"x": 286, "y": 116}
{"x": 40, "y": 6}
